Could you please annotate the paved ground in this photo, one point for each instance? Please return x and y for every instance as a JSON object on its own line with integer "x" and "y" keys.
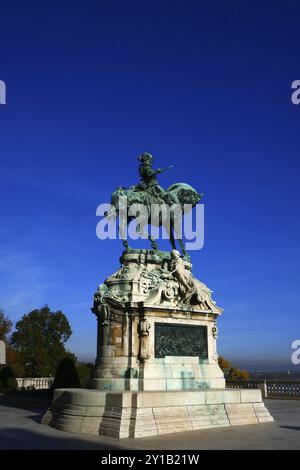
{"x": 20, "y": 429}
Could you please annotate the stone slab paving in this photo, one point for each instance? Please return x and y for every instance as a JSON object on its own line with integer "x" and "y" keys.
{"x": 20, "y": 429}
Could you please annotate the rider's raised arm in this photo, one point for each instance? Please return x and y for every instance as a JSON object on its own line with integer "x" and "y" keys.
{"x": 149, "y": 172}
{"x": 160, "y": 170}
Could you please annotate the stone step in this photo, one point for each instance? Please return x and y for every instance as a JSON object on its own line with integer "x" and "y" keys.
{"x": 140, "y": 414}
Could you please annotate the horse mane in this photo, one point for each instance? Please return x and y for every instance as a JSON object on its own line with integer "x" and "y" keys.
{"x": 186, "y": 186}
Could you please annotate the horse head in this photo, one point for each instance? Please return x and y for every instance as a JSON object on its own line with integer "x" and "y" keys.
{"x": 185, "y": 194}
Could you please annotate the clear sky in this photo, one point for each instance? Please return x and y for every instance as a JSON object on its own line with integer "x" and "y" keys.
{"x": 203, "y": 85}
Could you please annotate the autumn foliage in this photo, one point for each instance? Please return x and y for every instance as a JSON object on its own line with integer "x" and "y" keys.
{"x": 232, "y": 373}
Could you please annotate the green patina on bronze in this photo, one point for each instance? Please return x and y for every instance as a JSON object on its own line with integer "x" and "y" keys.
{"x": 180, "y": 340}
{"x": 148, "y": 192}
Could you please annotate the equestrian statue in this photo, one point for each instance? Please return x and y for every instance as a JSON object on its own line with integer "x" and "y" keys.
{"x": 180, "y": 198}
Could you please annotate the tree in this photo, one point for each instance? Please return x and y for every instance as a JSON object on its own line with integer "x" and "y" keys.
{"x": 5, "y": 326}
{"x": 85, "y": 371}
{"x": 232, "y": 373}
{"x": 235, "y": 374}
{"x": 7, "y": 380}
{"x": 40, "y": 337}
{"x": 66, "y": 375}
{"x": 224, "y": 364}
{"x": 13, "y": 358}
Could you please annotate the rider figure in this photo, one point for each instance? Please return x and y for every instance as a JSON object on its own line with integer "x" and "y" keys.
{"x": 149, "y": 180}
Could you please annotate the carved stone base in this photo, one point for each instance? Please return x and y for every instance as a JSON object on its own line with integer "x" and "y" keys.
{"x": 140, "y": 414}
{"x": 157, "y": 366}
{"x": 153, "y": 332}
{"x": 168, "y": 373}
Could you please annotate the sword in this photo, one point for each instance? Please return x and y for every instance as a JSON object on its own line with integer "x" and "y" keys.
{"x": 167, "y": 168}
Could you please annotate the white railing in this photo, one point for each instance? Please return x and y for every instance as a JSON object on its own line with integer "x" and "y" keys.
{"x": 283, "y": 388}
{"x": 37, "y": 383}
{"x": 270, "y": 388}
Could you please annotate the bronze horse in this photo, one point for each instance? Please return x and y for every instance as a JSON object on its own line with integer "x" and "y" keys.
{"x": 179, "y": 197}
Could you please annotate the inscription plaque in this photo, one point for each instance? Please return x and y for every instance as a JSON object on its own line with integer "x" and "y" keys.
{"x": 180, "y": 340}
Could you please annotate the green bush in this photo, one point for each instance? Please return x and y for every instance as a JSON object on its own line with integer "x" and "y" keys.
{"x": 7, "y": 380}
{"x": 85, "y": 372}
{"x": 66, "y": 375}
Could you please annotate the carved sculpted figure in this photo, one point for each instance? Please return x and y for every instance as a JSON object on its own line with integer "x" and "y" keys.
{"x": 181, "y": 270}
{"x": 100, "y": 308}
{"x": 214, "y": 331}
{"x": 143, "y": 331}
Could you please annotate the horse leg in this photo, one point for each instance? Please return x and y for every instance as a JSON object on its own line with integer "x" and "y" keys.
{"x": 171, "y": 237}
{"x": 124, "y": 241}
{"x": 152, "y": 240}
{"x": 182, "y": 247}
{"x": 125, "y": 244}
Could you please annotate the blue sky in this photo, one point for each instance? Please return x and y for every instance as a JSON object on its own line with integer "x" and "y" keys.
{"x": 203, "y": 85}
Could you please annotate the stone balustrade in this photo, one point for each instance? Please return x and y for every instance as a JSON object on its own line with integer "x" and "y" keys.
{"x": 284, "y": 389}
{"x": 270, "y": 388}
{"x": 38, "y": 383}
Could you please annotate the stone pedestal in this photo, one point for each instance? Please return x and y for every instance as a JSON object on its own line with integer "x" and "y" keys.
{"x": 154, "y": 333}
{"x": 157, "y": 366}
{"x": 140, "y": 414}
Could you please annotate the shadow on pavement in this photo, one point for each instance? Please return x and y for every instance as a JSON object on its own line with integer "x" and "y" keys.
{"x": 294, "y": 428}
{"x": 22, "y": 439}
